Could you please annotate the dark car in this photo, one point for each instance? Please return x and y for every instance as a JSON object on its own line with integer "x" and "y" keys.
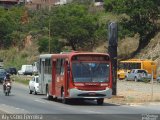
{"x": 2, "y": 74}
{"x": 12, "y": 70}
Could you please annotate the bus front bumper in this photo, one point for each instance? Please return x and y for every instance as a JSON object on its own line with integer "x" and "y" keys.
{"x": 75, "y": 93}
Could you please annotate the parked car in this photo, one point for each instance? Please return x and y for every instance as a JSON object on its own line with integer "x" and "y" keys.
{"x": 34, "y": 85}
{"x": 2, "y": 74}
{"x": 26, "y": 70}
{"x": 158, "y": 79}
{"x": 12, "y": 71}
{"x": 138, "y": 75}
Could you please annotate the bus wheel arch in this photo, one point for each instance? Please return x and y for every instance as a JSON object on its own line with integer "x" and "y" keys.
{"x": 49, "y": 97}
{"x": 64, "y": 100}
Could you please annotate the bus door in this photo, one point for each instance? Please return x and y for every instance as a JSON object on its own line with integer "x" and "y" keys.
{"x": 42, "y": 76}
{"x": 53, "y": 78}
{"x": 66, "y": 77}
{"x": 58, "y": 80}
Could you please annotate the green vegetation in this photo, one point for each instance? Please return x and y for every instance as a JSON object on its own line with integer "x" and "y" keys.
{"x": 76, "y": 26}
{"x": 20, "y": 79}
{"x": 141, "y": 17}
{"x": 10, "y": 25}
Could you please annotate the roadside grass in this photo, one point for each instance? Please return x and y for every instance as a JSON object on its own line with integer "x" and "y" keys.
{"x": 21, "y": 79}
{"x": 14, "y": 57}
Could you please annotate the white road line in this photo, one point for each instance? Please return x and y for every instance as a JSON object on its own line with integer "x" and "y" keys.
{"x": 39, "y": 101}
{"x": 90, "y": 111}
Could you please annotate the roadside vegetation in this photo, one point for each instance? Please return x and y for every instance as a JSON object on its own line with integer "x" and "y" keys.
{"x": 24, "y": 34}
{"x": 21, "y": 79}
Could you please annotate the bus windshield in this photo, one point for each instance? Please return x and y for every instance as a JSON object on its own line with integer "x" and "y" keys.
{"x": 90, "y": 72}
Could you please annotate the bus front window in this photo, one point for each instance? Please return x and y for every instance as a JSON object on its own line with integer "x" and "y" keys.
{"x": 90, "y": 72}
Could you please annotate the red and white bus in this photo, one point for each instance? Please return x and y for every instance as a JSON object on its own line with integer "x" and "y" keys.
{"x": 76, "y": 75}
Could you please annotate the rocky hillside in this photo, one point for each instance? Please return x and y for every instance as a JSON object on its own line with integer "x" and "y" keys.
{"x": 128, "y": 45}
{"x": 152, "y": 51}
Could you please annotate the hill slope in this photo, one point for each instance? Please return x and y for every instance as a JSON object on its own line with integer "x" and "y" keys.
{"x": 152, "y": 51}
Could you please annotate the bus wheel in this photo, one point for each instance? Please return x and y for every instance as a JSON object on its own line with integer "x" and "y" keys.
{"x": 64, "y": 100}
{"x": 49, "y": 97}
{"x": 54, "y": 98}
{"x": 100, "y": 101}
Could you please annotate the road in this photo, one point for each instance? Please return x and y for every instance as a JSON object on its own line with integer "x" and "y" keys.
{"x": 21, "y": 102}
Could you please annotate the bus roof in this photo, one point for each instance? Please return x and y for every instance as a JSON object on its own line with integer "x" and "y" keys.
{"x": 83, "y": 53}
{"x": 70, "y": 54}
{"x": 45, "y": 55}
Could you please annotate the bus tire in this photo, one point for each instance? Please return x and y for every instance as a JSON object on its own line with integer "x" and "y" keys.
{"x": 49, "y": 97}
{"x": 100, "y": 101}
{"x": 54, "y": 98}
{"x": 64, "y": 100}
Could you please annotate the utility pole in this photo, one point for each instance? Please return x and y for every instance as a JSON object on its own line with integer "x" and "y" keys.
{"x": 112, "y": 50}
{"x": 49, "y": 29}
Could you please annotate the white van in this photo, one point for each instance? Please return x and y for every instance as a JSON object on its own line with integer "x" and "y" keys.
{"x": 26, "y": 70}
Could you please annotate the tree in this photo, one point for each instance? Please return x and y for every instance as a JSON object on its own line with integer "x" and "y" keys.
{"x": 74, "y": 24}
{"x": 5, "y": 31}
{"x": 9, "y": 22}
{"x": 43, "y": 44}
{"x": 142, "y": 16}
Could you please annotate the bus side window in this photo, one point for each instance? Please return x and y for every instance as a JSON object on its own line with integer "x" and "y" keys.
{"x": 49, "y": 67}
{"x": 58, "y": 67}
{"x": 38, "y": 65}
{"x": 62, "y": 67}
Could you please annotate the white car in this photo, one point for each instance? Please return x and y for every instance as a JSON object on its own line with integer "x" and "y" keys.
{"x": 34, "y": 85}
{"x": 26, "y": 70}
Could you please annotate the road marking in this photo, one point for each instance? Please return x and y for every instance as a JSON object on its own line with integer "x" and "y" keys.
{"x": 39, "y": 101}
{"x": 90, "y": 111}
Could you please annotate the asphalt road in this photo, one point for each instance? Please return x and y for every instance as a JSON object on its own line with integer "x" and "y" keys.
{"x": 21, "y": 102}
